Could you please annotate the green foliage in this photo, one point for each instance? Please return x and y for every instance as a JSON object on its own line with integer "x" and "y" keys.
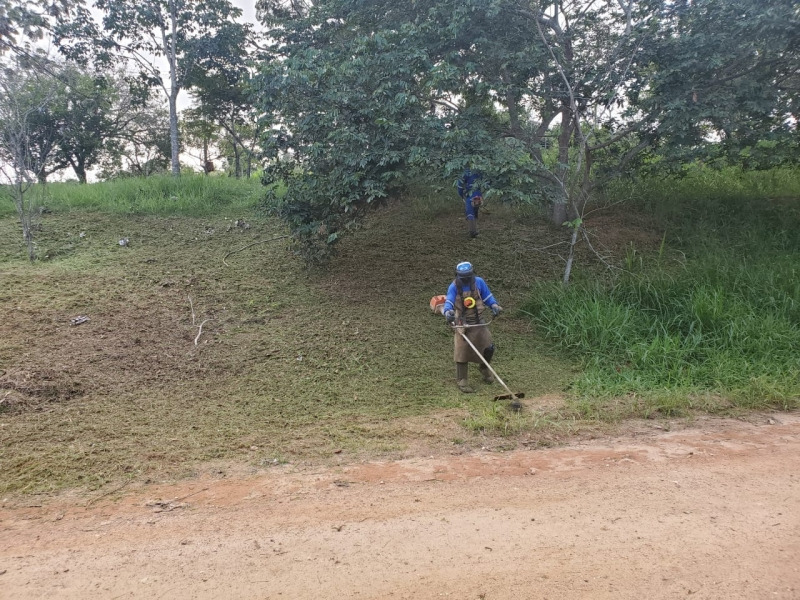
{"x": 370, "y": 96}
{"x": 723, "y": 83}
{"x": 25, "y": 21}
{"x": 367, "y": 96}
{"x": 724, "y": 321}
{"x": 192, "y": 36}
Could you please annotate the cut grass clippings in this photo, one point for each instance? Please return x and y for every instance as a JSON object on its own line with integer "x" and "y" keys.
{"x": 292, "y": 364}
{"x": 302, "y": 365}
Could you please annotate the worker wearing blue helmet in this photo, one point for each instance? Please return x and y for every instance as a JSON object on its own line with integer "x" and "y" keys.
{"x": 469, "y": 187}
{"x": 468, "y": 297}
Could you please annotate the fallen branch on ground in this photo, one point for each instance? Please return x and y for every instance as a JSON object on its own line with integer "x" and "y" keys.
{"x": 194, "y": 323}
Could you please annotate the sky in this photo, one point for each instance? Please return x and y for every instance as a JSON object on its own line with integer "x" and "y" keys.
{"x": 184, "y": 99}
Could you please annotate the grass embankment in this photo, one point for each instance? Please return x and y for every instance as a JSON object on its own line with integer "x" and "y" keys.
{"x": 715, "y": 326}
{"x": 158, "y": 195}
{"x": 345, "y": 363}
{"x": 291, "y": 364}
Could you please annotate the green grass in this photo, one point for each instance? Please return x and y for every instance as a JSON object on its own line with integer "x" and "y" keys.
{"x": 713, "y": 326}
{"x": 302, "y": 365}
{"x": 188, "y": 195}
{"x": 295, "y": 364}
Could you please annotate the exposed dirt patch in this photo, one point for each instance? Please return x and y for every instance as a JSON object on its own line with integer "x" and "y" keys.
{"x": 707, "y": 511}
{"x": 616, "y": 230}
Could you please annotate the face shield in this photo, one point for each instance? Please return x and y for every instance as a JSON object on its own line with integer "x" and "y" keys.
{"x": 465, "y": 275}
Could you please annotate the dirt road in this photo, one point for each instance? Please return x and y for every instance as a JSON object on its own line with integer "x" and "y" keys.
{"x": 709, "y": 511}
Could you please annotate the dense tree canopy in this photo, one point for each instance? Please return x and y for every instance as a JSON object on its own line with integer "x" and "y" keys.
{"x": 547, "y": 98}
{"x": 355, "y": 98}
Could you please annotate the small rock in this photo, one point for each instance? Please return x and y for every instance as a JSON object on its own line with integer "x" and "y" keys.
{"x": 124, "y": 242}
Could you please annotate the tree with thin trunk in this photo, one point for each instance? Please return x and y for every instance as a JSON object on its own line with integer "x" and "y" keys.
{"x": 189, "y": 35}
{"x": 19, "y": 103}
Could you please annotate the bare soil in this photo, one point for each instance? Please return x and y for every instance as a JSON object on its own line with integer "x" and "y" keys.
{"x": 708, "y": 510}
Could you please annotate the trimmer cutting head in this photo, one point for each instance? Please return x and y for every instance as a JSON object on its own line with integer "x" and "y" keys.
{"x": 513, "y": 396}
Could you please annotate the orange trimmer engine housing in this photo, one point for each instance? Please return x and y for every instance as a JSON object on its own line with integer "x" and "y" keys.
{"x": 437, "y": 304}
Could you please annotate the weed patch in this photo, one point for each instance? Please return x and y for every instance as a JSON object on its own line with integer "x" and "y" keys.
{"x": 669, "y": 336}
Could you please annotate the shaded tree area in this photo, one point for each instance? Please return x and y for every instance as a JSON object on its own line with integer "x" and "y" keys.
{"x": 549, "y": 99}
{"x": 25, "y": 147}
{"x": 223, "y": 99}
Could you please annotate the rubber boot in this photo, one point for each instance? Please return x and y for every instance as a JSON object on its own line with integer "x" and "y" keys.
{"x": 486, "y": 374}
{"x": 462, "y": 378}
{"x": 473, "y": 228}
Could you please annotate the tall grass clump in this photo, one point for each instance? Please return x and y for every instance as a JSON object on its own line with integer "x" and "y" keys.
{"x": 725, "y": 324}
{"x": 663, "y": 196}
{"x": 188, "y": 195}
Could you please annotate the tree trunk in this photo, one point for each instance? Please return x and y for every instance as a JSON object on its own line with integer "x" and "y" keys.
{"x": 560, "y": 205}
{"x": 171, "y": 50}
{"x": 206, "y": 162}
{"x": 173, "y": 131}
{"x": 571, "y": 257}
{"x": 80, "y": 170}
{"x": 24, "y": 211}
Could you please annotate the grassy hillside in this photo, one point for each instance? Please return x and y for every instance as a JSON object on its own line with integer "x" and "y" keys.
{"x": 291, "y": 364}
{"x": 710, "y": 321}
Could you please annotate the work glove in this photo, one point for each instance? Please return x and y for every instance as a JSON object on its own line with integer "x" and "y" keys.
{"x": 496, "y": 308}
{"x": 450, "y": 315}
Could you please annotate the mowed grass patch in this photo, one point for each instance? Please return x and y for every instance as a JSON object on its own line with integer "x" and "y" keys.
{"x": 292, "y": 364}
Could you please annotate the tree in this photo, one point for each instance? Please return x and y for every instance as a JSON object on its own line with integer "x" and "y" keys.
{"x": 20, "y": 100}
{"x": 202, "y": 133}
{"x": 223, "y": 95}
{"x": 141, "y": 146}
{"x": 190, "y": 35}
{"x": 25, "y": 21}
{"x": 366, "y": 93}
{"x": 725, "y": 85}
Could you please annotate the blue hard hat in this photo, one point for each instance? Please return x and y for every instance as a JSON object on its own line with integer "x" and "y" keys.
{"x": 464, "y": 270}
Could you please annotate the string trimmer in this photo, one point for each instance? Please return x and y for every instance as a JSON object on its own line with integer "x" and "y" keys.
{"x": 507, "y": 396}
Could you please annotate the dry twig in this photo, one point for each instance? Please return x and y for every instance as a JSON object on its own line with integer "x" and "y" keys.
{"x": 116, "y": 489}
{"x": 194, "y": 322}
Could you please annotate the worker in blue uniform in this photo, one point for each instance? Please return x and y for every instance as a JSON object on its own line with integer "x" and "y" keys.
{"x": 469, "y": 187}
{"x": 467, "y": 299}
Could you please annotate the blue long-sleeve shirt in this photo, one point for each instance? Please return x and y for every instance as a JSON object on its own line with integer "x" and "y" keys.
{"x": 480, "y": 287}
{"x": 469, "y": 184}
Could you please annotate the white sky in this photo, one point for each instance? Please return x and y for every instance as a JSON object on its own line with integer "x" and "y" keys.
{"x": 184, "y": 100}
